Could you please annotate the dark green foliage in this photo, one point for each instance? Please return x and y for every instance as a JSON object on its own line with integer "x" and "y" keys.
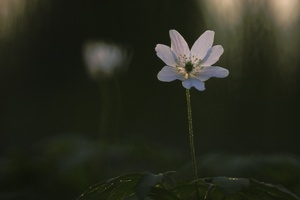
{"x": 121, "y": 187}
{"x": 148, "y": 180}
{"x": 142, "y": 186}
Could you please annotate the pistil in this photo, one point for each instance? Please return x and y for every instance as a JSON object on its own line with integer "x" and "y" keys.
{"x": 188, "y": 67}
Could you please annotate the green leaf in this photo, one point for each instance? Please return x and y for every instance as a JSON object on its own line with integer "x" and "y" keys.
{"x": 274, "y": 191}
{"x": 224, "y": 188}
{"x": 150, "y": 186}
{"x": 155, "y": 184}
{"x": 120, "y": 187}
{"x": 147, "y": 181}
{"x": 168, "y": 180}
{"x": 241, "y": 188}
{"x": 229, "y": 186}
{"x": 187, "y": 189}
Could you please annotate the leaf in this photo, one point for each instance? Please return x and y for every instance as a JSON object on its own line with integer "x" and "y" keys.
{"x": 154, "y": 183}
{"x": 187, "y": 189}
{"x": 224, "y": 188}
{"x": 120, "y": 187}
{"x": 146, "y": 185}
{"x": 229, "y": 186}
{"x": 135, "y": 185}
{"x": 274, "y": 191}
{"x": 147, "y": 181}
{"x": 168, "y": 180}
{"x": 241, "y": 188}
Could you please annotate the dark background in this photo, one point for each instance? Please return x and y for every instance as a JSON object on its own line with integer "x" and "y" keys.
{"x": 53, "y": 142}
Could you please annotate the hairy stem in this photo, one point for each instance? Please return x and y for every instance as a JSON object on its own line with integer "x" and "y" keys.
{"x": 191, "y": 135}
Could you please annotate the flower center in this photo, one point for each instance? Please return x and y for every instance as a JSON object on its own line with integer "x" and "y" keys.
{"x": 188, "y": 67}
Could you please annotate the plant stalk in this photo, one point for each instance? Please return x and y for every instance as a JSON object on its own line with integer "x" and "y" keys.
{"x": 191, "y": 136}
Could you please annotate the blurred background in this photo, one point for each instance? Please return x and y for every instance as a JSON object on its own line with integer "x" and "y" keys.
{"x": 80, "y": 101}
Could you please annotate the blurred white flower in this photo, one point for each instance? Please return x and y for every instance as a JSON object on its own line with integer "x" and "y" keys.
{"x": 192, "y": 67}
{"x": 104, "y": 60}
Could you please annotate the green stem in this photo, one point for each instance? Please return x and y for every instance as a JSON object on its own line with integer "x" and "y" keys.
{"x": 191, "y": 135}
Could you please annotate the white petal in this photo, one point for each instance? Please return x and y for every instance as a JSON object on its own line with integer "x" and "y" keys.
{"x": 166, "y": 54}
{"x": 203, "y": 44}
{"x": 168, "y": 74}
{"x": 191, "y": 82}
{"x": 212, "y": 55}
{"x": 212, "y": 71}
{"x": 178, "y": 44}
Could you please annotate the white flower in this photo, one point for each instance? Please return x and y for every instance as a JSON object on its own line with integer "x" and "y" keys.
{"x": 104, "y": 59}
{"x": 192, "y": 67}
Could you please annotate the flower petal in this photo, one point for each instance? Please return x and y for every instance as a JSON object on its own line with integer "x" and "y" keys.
{"x": 212, "y": 55}
{"x": 203, "y": 44}
{"x": 178, "y": 44}
{"x": 168, "y": 74}
{"x": 166, "y": 54}
{"x": 192, "y": 82}
{"x": 212, "y": 71}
